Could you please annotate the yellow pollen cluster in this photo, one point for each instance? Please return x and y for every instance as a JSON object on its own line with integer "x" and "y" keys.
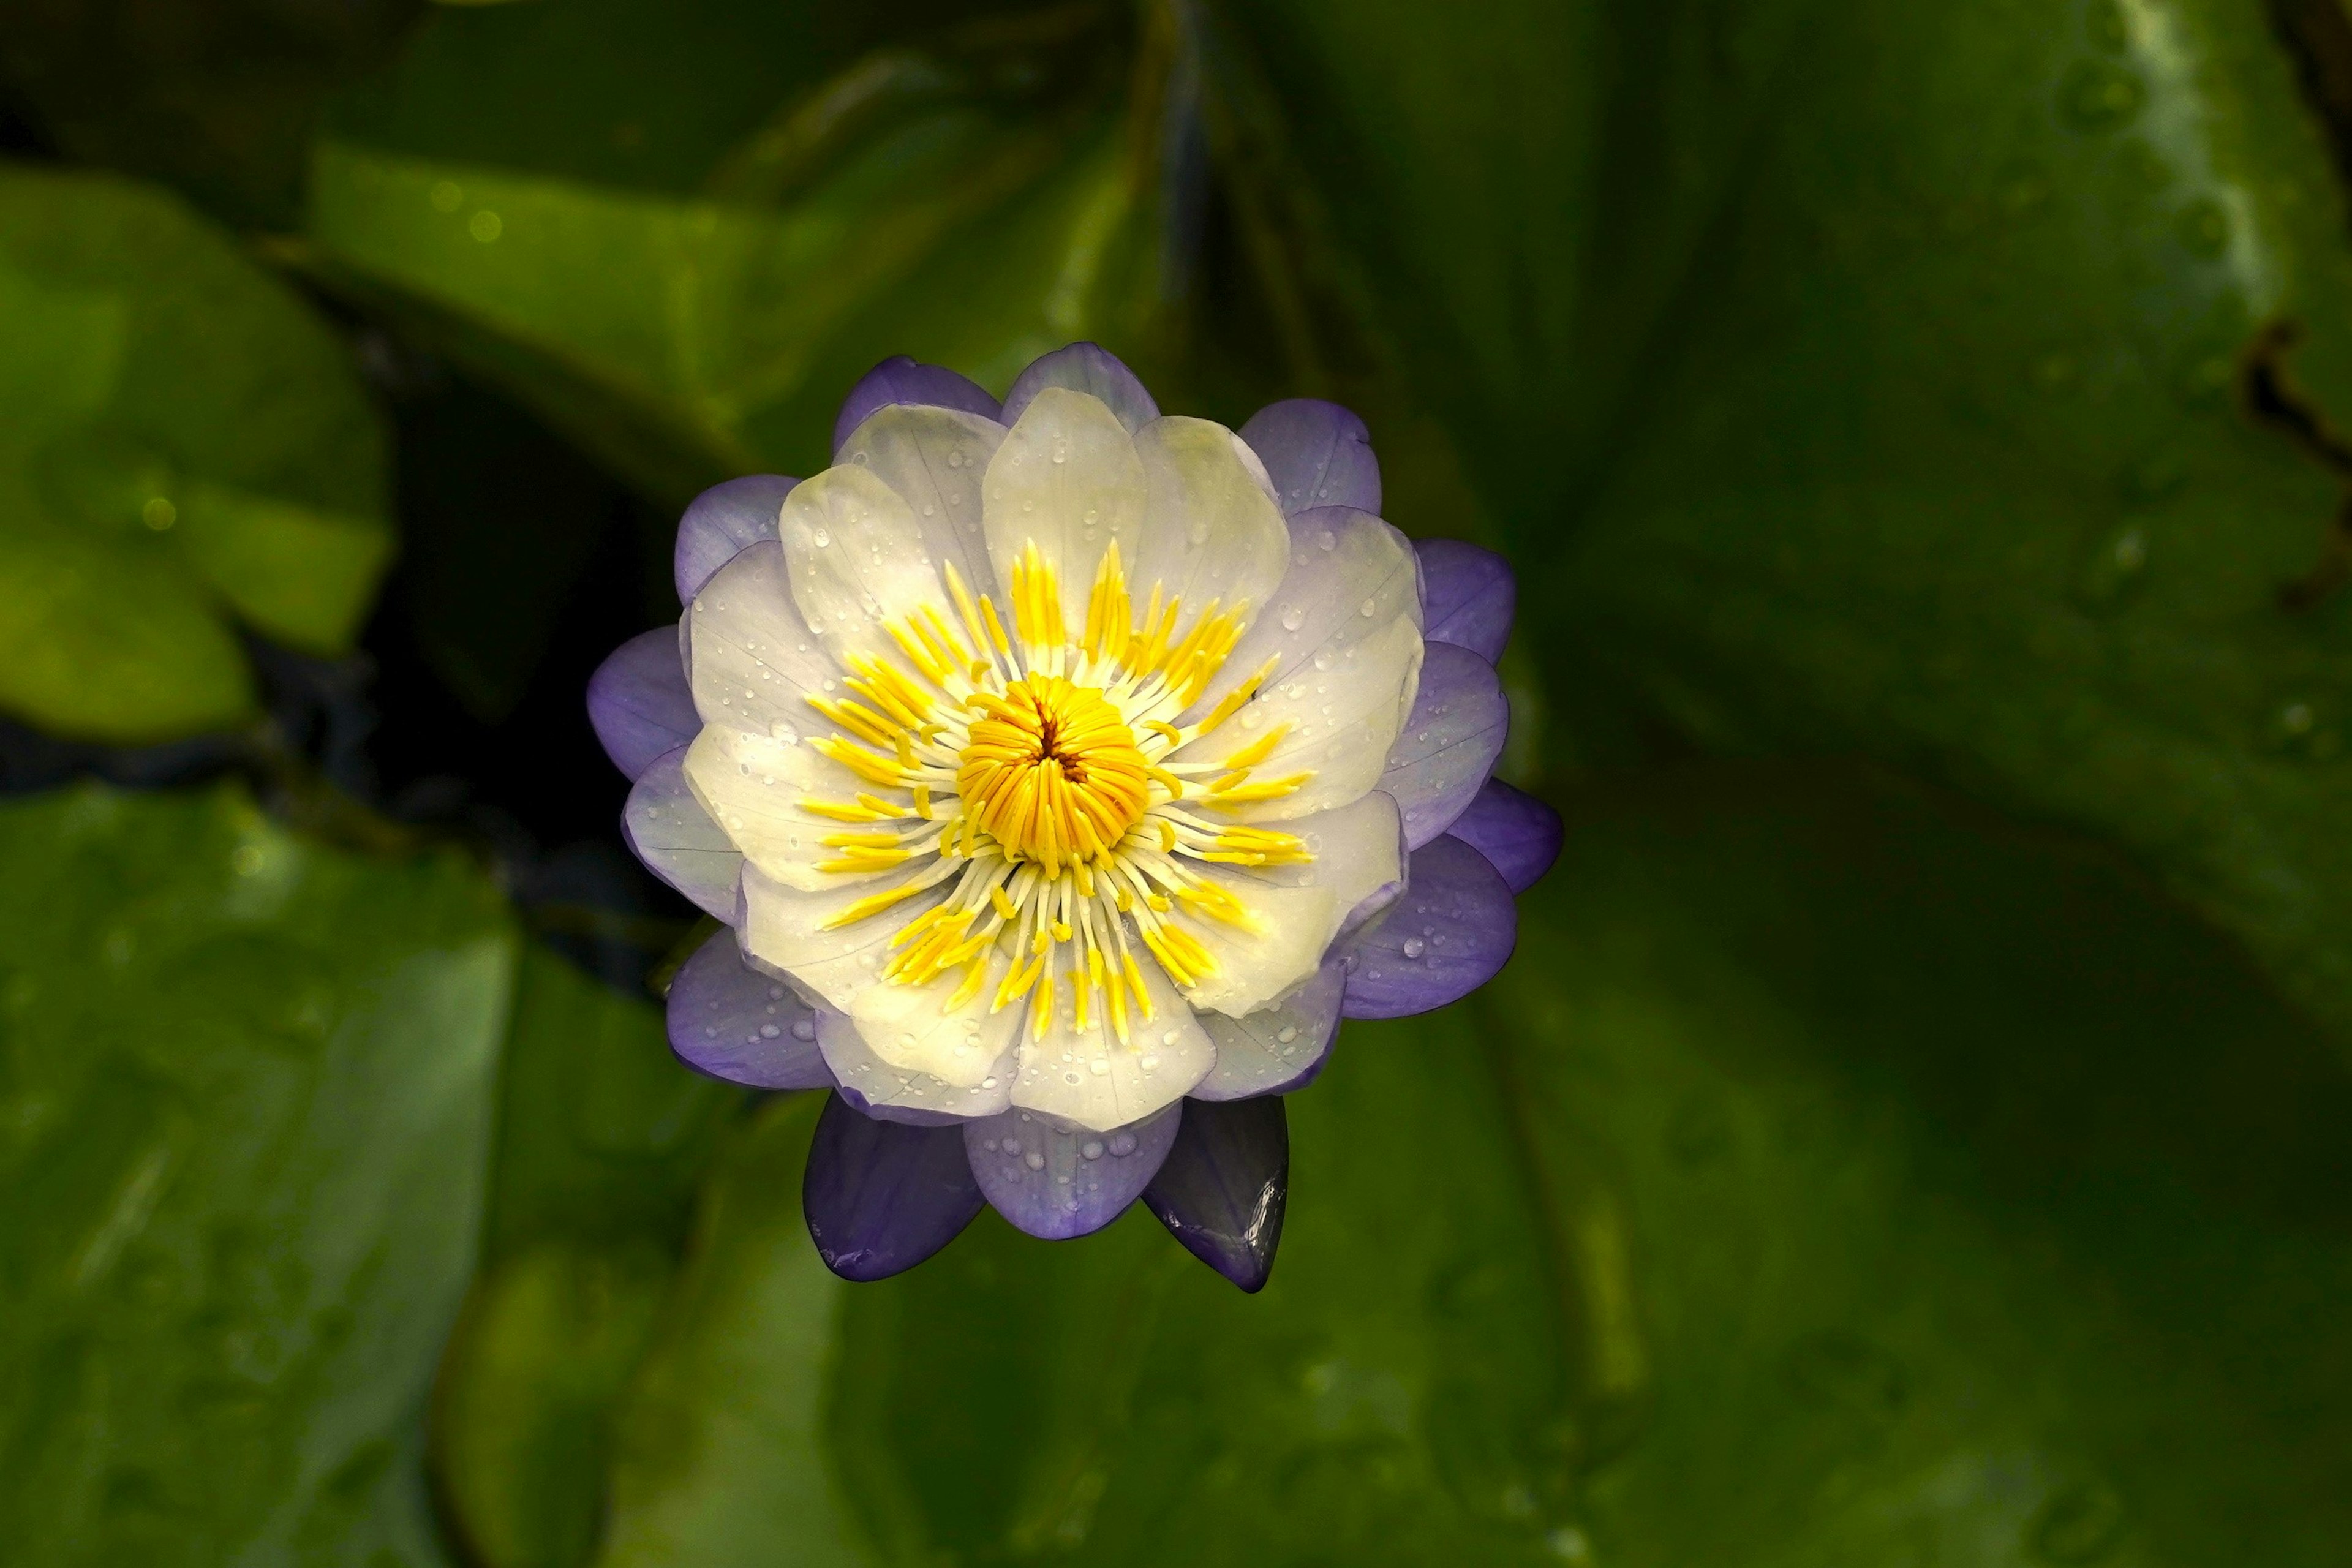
{"x": 1053, "y": 772}
{"x": 1033, "y": 770}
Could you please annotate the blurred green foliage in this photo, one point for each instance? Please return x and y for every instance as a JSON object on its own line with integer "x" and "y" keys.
{"x": 1930, "y": 1156}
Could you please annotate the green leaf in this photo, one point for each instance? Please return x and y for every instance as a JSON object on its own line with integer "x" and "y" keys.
{"x": 1871, "y": 384}
{"x": 219, "y": 100}
{"x": 697, "y": 309}
{"x": 1839, "y": 1177}
{"x": 182, "y": 443}
{"x": 246, "y": 1087}
{"x": 602, "y": 1140}
{"x": 720, "y": 1456}
{"x": 1927, "y": 1192}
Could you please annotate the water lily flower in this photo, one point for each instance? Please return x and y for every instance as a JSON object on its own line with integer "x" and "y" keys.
{"x": 1064, "y": 774}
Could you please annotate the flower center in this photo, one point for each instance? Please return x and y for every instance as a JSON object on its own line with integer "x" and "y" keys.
{"x": 1053, "y": 772}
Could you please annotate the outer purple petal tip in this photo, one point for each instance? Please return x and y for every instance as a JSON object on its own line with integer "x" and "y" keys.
{"x": 1087, "y": 368}
{"x": 640, "y": 703}
{"x": 1519, "y": 834}
{"x": 881, "y": 1196}
{"x": 723, "y": 521}
{"x": 1056, "y": 1181}
{"x": 900, "y": 379}
{"x": 1450, "y": 741}
{"x": 1451, "y": 932}
{"x": 1469, "y": 595}
{"x": 730, "y": 1021}
{"x": 1224, "y": 1186}
{"x": 1316, "y": 454}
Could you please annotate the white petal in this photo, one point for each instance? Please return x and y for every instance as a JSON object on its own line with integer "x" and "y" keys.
{"x": 1343, "y": 636}
{"x": 1273, "y": 1048}
{"x": 909, "y": 1028}
{"x": 1068, "y": 478}
{"x": 751, "y": 659}
{"x": 782, "y": 929}
{"x": 934, "y": 458}
{"x": 1089, "y": 1077}
{"x": 855, "y": 1063}
{"x": 1211, "y": 528}
{"x": 858, "y": 559}
{"x": 752, "y": 786}
{"x": 677, "y": 838}
{"x": 1359, "y": 849}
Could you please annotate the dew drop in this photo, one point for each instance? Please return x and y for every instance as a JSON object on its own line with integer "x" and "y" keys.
{"x": 1091, "y": 1149}
{"x": 1292, "y": 618}
{"x": 1033, "y": 1160}
{"x": 1414, "y": 947}
{"x": 1122, "y": 1144}
{"x": 820, "y": 538}
{"x": 1367, "y": 608}
{"x": 804, "y": 1029}
{"x": 1287, "y": 1033}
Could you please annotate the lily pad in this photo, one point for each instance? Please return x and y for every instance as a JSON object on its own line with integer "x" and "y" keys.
{"x": 687, "y": 287}
{"x": 184, "y": 449}
{"x": 245, "y": 1107}
{"x": 1986, "y": 1210}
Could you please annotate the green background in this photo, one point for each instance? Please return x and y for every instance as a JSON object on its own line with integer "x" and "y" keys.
{"x": 1912, "y": 1132}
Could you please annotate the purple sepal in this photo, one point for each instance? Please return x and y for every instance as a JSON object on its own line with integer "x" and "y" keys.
{"x": 1084, "y": 367}
{"x": 721, "y": 523}
{"x": 640, "y": 703}
{"x": 1453, "y": 930}
{"x": 1519, "y": 834}
{"x": 905, "y": 1115}
{"x": 1450, "y": 742}
{"x": 730, "y": 1021}
{"x": 1316, "y": 454}
{"x": 901, "y": 379}
{"x": 1468, "y": 595}
{"x": 1056, "y": 1180}
{"x": 880, "y": 1196}
{"x": 1279, "y": 1048}
{"x": 1223, "y": 1187}
{"x": 669, "y": 831}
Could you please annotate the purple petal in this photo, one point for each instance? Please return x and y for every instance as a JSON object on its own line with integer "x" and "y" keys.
{"x": 677, "y": 839}
{"x": 1056, "y": 1180}
{"x": 1223, "y": 1187}
{"x": 1084, "y": 367}
{"x": 1317, "y": 453}
{"x": 880, "y": 1196}
{"x": 723, "y": 521}
{"x": 730, "y": 1021}
{"x": 1513, "y": 829}
{"x": 1450, "y": 742}
{"x": 1468, "y": 595}
{"x": 1446, "y": 937}
{"x": 640, "y": 703}
{"x": 900, "y": 379}
{"x": 1279, "y": 1048}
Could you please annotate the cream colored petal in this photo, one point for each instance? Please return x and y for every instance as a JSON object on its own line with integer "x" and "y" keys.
{"x": 878, "y": 1083}
{"x": 1351, "y": 578}
{"x": 784, "y": 929}
{"x": 911, "y": 1028}
{"x": 935, "y": 459}
{"x": 859, "y": 560}
{"x": 1212, "y": 530}
{"x": 753, "y": 786}
{"x": 751, "y": 659}
{"x": 1358, "y": 849}
{"x": 1343, "y": 636}
{"x": 1087, "y": 1076}
{"x": 1068, "y": 478}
